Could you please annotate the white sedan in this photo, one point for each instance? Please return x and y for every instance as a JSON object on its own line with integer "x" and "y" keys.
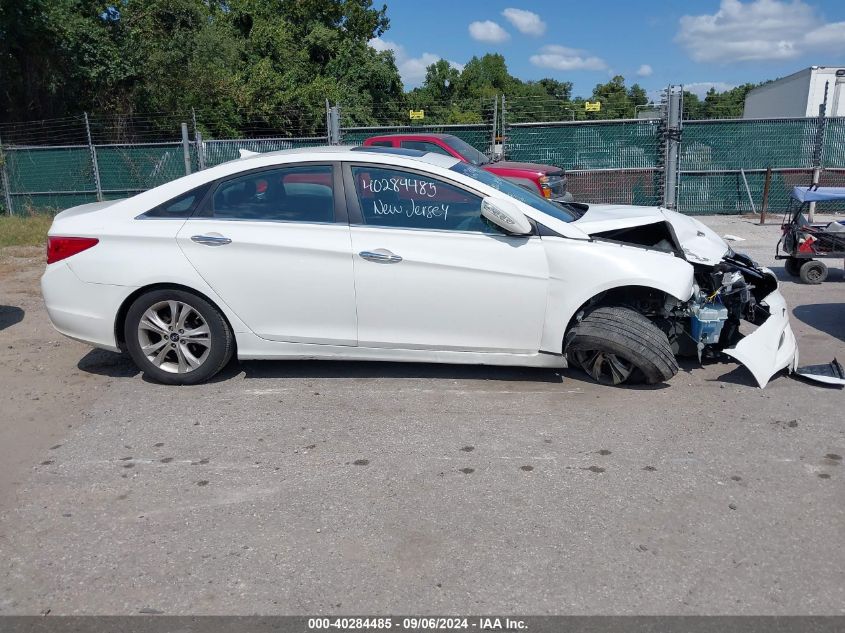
{"x": 399, "y": 255}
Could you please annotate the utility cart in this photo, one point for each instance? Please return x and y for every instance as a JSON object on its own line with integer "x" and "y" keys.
{"x": 804, "y": 243}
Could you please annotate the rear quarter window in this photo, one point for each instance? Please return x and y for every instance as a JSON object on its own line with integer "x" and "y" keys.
{"x": 179, "y": 207}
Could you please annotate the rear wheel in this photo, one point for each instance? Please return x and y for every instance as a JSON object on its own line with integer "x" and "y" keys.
{"x": 616, "y": 346}
{"x": 813, "y": 272}
{"x": 176, "y": 337}
{"x": 793, "y": 266}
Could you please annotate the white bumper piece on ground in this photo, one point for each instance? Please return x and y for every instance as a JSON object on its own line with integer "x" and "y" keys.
{"x": 772, "y": 346}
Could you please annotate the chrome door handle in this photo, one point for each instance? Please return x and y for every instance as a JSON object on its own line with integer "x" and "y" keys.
{"x": 211, "y": 240}
{"x": 381, "y": 256}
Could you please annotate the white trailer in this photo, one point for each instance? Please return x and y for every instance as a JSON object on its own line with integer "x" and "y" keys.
{"x": 799, "y": 94}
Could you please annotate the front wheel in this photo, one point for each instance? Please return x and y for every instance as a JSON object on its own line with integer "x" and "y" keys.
{"x": 176, "y": 337}
{"x": 616, "y": 346}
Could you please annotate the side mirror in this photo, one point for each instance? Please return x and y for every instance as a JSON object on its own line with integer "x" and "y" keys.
{"x": 506, "y": 215}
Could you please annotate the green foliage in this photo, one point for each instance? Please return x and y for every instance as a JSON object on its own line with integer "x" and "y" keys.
{"x": 24, "y": 230}
{"x": 264, "y": 67}
{"x": 717, "y": 105}
{"x": 244, "y": 64}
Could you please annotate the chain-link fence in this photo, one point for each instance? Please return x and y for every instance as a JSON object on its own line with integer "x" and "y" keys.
{"x": 720, "y": 168}
{"x": 52, "y": 165}
{"x": 606, "y": 161}
{"x": 713, "y": 166}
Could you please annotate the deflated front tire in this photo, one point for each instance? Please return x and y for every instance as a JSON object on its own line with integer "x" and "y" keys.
{"x": 616, "y": 345}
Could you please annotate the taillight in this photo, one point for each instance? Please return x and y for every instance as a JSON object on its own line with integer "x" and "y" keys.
{"x": 59, "y": 248}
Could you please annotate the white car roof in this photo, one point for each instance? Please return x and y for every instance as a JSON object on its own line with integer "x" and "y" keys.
{"x": 355, "y": 152}
{"x": 129, "y": 208}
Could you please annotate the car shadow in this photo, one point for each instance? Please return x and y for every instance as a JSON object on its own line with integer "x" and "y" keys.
{"x": 739, "y": 375}
{"x": 577, "y": 375}
{"x": 10, "y": 315}
{"x": 824, "y": 317}
{"x": 114, "y": 365}
{"x": 257, "y": 369}
{"x": 104, "y": 363}
{"x": 782, "y": 275}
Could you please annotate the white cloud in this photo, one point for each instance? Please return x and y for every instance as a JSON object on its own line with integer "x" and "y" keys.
{"x": 411, "y": 69}
{"x": 563, "y": 58}
{"x": 645, "y": 71}
{"x": 526, "y": 22}
{"x": 488, "y": 31}
{"x": 759, "y": 30}
{"x": 700, "y": 88}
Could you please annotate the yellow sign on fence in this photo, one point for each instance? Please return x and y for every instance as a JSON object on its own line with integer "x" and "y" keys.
{"x": 592, "y": 106}
{"x": 416, "y": 115}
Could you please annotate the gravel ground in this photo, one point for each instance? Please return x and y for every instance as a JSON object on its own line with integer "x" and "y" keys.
{"x": 350, "y": 488}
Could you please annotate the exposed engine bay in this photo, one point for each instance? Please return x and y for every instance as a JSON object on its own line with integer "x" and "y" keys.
{"x": 724, "y": 295}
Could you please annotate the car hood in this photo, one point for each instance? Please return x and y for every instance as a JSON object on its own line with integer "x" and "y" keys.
{"x": 699, "y": 243}
{"x": 516, "y": 166}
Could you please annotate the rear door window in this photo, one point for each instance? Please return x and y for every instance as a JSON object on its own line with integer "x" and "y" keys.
{"x": 288, "y": 194}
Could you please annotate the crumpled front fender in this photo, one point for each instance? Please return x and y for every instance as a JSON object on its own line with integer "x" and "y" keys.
{"x": 772, "y": 346}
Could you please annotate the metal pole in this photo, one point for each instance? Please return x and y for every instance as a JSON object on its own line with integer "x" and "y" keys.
{"x": 673, "y": 137}
{"x": 334, "y": 126}
{"x": 328, "y": 123}
{"x": 817, "y": 150}
{"x": 198, "y": 141}
{"x": 748, "y": 191}
{"x": 495, "y": 123}
{"x": 200, "y": 151}
{"x": 5, "y": 179}
{"x": 765, "y": 204}
{"x": 504, "y": 128}
{"x": 186, "y": 148}
{"x": 94, "y": 164}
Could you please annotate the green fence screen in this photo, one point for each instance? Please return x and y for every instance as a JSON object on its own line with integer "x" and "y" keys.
{"x": 722, "y": 163}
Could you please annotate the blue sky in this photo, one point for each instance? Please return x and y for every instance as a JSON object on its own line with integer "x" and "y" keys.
{"x": 654, "y": 42}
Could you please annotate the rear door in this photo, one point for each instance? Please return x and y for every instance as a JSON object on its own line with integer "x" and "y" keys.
{"x": 275, "y": 245}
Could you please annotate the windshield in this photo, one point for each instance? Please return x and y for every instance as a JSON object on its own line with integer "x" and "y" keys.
{"x": 466, "y": 150}
{"x": 557, "y": 210}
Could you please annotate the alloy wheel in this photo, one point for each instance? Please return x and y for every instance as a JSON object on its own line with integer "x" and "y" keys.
{"x": 174, "y": 337}
{"x": 605, "y": 367}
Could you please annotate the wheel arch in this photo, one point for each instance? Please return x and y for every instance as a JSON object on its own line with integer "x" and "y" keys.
{"x": 120, "y": 319}
{"x": 635, "y": 296}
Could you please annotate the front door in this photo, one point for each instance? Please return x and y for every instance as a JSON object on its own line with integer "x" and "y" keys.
{"x": 431, "y": 273}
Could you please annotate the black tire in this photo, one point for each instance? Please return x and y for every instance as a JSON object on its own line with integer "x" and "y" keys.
{"x": 813, "y": 272}
{"x": 219, "y": 341}
{"x": 792, "y": 266}
{"x": 624, "y": 334}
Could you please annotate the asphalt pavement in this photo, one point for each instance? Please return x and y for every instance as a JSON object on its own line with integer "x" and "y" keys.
{"x": 381, "y": 488}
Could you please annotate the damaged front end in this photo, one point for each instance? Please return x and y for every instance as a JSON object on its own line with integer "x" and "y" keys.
{"x": 736, "y": 290}
{"x": 730, "y": 290}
